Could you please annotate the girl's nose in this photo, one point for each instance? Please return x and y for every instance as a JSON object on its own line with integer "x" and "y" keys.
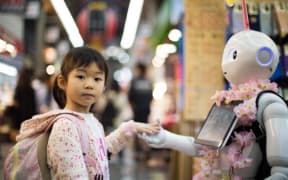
{"x": 89, "y": 83}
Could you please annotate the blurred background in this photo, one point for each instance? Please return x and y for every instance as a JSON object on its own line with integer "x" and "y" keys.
{"x": 176, "y": 45}
{"x": 36, "y": 34}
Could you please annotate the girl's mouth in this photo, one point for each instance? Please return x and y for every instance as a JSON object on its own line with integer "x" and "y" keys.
{"x": 88, "y": 95}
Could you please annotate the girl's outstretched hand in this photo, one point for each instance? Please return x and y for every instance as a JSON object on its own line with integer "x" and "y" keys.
{"x": 147, "y": 128}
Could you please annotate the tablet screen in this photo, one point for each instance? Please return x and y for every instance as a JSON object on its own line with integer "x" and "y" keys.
{"x": 218, "y": 126}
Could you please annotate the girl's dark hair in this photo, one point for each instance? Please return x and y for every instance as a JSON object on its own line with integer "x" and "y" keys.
{"x": 75, "y": 58}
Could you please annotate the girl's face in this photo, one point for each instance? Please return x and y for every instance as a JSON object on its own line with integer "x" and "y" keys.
{"x": 84, "y": 87}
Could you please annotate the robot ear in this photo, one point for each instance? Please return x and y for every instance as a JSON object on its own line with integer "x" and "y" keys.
{"x": 265, "y": 56}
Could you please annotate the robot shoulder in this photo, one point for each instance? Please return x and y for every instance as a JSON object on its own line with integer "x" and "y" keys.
{"x": 267, "y": 97}
{"x": 270, "y": 101}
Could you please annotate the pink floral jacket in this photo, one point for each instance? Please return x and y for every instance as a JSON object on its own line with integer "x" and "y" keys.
{"x": 64, "y": 152}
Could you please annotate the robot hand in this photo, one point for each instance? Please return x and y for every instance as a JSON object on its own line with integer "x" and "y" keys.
{"x": 155, "y": 140}
{"x": 166, "y": 139}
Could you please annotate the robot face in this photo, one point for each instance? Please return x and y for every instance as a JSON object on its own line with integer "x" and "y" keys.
{"x": 249, "y": 55}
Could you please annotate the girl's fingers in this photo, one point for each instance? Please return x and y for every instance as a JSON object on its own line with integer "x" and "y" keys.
{"x": 152, "y": 130}
{"x": 147, "y": 128}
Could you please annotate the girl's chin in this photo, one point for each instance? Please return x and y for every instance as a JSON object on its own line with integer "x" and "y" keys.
{"x": 85, "y": 105}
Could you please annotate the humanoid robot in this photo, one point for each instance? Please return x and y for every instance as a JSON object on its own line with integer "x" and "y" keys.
{"x": 249, "y": 59}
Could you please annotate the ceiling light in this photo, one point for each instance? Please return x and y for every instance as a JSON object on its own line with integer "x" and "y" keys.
{"x": 68, "y": 22}
{"x": 131, "y": 23}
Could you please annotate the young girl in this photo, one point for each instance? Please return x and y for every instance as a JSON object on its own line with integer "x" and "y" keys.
{"x": 79, "y": 85}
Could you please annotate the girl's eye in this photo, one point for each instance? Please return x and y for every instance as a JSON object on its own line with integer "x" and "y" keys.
{"x": 80, "y": 76}
{"x": 98, "y": 79}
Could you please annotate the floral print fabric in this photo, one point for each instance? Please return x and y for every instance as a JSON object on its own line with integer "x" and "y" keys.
{"x": 65, "y": 156}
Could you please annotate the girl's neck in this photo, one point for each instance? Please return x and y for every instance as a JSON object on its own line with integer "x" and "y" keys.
{"x": 84, "y": 110}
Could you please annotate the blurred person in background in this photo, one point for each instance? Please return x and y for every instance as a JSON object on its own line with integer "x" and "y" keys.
{"x": 24, "y": 104}
{"x": 140, "y": 98}
{"x": 43, "y": 89}
{"x": 110, "y": 111}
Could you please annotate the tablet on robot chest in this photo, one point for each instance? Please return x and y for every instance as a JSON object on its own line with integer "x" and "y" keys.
{"x": 217, "y": 126}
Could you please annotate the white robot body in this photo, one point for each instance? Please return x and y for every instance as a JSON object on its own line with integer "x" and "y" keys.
{"x": 273, "y": 115}
{"x": 248, "y": 56}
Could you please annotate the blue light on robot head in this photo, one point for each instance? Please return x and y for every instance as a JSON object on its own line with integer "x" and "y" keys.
{"x": 265, "y": 56}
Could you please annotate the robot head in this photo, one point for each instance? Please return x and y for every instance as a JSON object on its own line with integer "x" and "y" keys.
{"x": 249, "y": 55}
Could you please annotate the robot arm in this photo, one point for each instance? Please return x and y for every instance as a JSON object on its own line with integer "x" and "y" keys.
{"x": 166, "y": 139}
{"x": 272, "y": 114}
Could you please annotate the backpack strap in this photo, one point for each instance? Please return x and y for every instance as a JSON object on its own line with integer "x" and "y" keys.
{"x": 42, "y": 156}
{"x": 43, "y": 142}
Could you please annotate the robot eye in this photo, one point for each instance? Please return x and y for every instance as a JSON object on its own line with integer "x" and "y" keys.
{"x": 232, "y": 55}
{"x": 264, "y": 56}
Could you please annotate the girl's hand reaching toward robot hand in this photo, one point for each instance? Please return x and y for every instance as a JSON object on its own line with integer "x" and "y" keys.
{"x": 166, "y": 139}
{"x": 155, "y": 140}
{"x": 131, "y": 127}
{"x": 147, "y": 128}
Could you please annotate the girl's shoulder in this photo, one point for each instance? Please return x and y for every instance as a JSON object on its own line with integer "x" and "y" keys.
{"x": 69, "y": 118}
{"x": 43, "y": 122}
{"x": 69, "y": 124}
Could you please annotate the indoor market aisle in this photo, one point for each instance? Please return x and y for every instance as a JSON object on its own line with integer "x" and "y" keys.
{"x": 155, "y": 168}
{"x": 125, "y": 168}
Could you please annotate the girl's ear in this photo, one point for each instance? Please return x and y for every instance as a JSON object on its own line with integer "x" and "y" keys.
{"x": 61, "y": 82}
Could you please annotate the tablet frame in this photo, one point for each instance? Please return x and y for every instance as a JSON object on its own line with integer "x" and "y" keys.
{"x": 217, "y": 128}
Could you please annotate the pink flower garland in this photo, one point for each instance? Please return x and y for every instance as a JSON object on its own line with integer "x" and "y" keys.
{"x": 246, "y": 111}
{"x": 246, "y": 114}
{"x": 241, "y": 140}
